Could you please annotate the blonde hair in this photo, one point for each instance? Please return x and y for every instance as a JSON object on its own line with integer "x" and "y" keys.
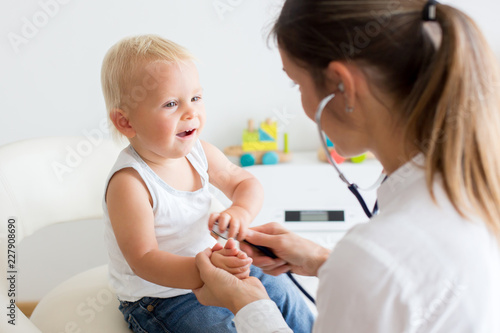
{"x": 447, "y": 93}
{"x": 122, "y": 78}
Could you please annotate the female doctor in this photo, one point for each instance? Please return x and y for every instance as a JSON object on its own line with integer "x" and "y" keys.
{"x": 415, "y": 83}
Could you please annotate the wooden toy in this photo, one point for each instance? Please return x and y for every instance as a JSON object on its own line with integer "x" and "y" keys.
{"x": 260, "y": 146}
{"x": 340, "y": 159}
{"x": 336, "y": 157}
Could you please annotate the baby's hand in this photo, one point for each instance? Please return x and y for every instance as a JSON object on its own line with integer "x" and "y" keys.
{"x": 237, "y": 218}
{"x": 231, "y": 259}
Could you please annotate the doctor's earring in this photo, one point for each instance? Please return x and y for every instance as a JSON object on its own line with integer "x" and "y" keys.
{"x": 348, "y": 109}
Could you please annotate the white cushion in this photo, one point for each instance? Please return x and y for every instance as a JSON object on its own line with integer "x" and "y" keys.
{"x": 83, "y": 303}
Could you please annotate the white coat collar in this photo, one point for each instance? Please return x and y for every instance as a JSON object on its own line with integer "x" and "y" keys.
{"x": 400, "y": 179}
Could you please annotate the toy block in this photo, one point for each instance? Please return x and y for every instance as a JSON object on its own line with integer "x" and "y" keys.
{"x": 329, "y": 143}
{"x": 358, "y": 159}
{"x": 250, "y": 136}
{"x": 336, "y": 157}
{"x": 256, "y": 146}
{"x": 270, "y": 128}
{"x": 263, "y": 136}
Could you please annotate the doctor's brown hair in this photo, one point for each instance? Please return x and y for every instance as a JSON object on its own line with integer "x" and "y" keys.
{"x": 442, "y": 75}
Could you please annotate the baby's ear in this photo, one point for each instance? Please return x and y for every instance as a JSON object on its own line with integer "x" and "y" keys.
{"x": 122, "y": 123}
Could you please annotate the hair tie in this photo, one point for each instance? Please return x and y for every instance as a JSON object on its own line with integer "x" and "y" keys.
{"x": 429, "y": 13}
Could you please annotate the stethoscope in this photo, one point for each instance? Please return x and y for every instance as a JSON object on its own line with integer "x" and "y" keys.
{"x": 351, "y": 186}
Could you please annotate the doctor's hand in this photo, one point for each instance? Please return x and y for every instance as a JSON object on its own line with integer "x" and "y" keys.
{"x": 224, "y": 289}
{"x": 294, "y": 253}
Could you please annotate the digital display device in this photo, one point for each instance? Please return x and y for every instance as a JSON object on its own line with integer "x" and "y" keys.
{"x": 314, "y": 216}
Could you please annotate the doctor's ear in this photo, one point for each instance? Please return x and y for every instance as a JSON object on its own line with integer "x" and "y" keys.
{"x": 121, "y": 122}
{"x": 339, "y": 79}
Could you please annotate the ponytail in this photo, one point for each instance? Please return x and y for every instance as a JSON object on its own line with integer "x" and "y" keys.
{"x": 461, "y": 137}
{"x": 446, "y": 91}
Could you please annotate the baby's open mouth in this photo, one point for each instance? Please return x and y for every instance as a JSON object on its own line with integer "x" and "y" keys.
{"x": 186, "y": 133}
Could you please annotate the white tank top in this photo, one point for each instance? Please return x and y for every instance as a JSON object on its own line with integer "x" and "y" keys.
{"x": 181, "y": 224}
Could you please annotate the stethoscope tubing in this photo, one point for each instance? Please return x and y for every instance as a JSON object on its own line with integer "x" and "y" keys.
{"x": 351, "y": 186}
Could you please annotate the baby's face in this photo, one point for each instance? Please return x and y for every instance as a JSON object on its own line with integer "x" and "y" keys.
{"x": 168, "y": 119}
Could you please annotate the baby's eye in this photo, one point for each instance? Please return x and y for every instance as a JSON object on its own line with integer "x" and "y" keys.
{"x": 195, "y": 98}
{"x": 169, "y": 105}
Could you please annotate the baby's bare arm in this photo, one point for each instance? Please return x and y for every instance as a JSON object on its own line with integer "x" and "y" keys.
{"x": 131, "y": 214}
{"x": 239, "y": 185}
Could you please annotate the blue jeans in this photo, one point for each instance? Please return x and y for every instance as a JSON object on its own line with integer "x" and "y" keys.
{"x": 185, "y": 314}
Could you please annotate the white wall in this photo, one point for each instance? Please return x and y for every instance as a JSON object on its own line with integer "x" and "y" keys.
{"x": 50, "y": 85}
